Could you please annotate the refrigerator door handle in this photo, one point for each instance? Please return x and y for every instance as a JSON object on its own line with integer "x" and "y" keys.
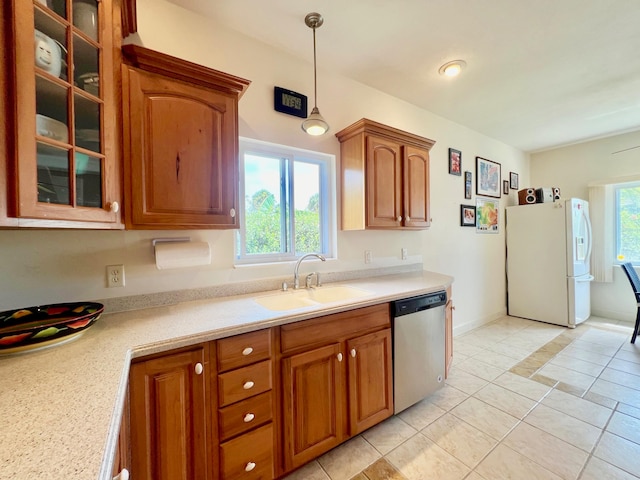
{"x": 590, "y": 236}
{"x": 588, "y": 278}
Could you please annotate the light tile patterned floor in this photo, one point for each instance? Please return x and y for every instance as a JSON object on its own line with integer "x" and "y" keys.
{"x": 524, "y": 400}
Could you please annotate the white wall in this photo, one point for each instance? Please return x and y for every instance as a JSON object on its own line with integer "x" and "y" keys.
{"x": 53, "y": 266}
{"x": 572, "y": 168}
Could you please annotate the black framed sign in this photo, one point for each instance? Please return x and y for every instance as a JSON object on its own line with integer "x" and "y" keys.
{"x": 289, "y": 102}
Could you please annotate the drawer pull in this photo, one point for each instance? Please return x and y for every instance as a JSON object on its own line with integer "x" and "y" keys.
{"x": 199, "y": 368}
{"x": 248, "y": 385}
{"x": 340, "y": 357}
{"x": 247, "y": 351}
{"x": 250, "y": 466}
{"x": 123, "y": 475}
{"x": 353, "y": 352}
{"x": 249, "y": 417}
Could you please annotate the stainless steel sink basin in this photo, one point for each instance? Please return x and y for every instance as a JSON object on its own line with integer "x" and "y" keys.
{"x": 293, "y": 299}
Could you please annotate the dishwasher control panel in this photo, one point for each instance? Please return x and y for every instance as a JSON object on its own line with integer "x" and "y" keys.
{"x": 417, "y": 304}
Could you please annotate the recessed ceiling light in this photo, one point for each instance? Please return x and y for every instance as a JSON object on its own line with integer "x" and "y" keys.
{"x": 453, "y": 68}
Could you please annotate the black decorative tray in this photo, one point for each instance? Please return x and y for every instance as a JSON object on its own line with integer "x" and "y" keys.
{"x": 37, "y": 327}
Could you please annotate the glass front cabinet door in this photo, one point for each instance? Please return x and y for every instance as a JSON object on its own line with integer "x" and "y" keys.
{"x": 64, "y": 165}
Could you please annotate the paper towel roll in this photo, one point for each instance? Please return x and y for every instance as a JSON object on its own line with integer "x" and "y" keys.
{"x": 182, "y": 254}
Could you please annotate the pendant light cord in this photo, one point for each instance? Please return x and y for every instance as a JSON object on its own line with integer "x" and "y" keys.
{"x": 315, "y": 75}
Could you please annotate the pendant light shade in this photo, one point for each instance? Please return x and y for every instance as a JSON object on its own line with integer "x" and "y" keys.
{"x": 314, "y": 124}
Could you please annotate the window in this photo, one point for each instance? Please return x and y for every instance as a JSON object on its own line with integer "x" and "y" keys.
{"x": 627, "y": 204}
{"x": 289, "y": 206}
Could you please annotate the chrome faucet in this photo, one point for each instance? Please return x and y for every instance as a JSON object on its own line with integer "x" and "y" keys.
{"x": 296, "y": 278}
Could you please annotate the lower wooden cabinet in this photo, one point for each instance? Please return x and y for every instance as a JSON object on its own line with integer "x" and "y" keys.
{"x": 448, "y": 333}
{"x": 339, "y": 382}
{"x": 169, "y": 417}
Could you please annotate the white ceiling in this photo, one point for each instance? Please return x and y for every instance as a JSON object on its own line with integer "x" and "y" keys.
{"x": 539, "y": 73}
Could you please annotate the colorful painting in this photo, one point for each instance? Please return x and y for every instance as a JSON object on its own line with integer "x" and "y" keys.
{"x": 488, "y": 178}
{"x": 487, "y": 215}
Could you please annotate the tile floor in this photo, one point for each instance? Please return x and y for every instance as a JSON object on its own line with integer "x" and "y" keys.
{"x": 524, "y": 400}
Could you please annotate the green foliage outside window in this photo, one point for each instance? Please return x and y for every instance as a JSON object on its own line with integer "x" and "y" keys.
{"x": 628, "y": 241}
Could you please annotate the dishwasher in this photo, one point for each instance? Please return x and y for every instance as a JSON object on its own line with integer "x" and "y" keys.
{"x": 418, "y": 348}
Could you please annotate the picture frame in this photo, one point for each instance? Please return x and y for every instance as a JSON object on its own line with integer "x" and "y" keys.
{"x": 467, "y": 215}
{"x": 487, "y": 215}
{"x": 513, "y": 180}
{"x": 505, "y": 187}
{"x": 455, "y": 162}
{"x": 468, "y": 182}
{"x": 488, "y": 177}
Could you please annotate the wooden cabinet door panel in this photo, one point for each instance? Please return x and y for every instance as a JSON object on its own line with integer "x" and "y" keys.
{"x": 313, "y": 404}
{"x": 249, "y": 456}
{"x": 370, "y": 379}
{"x": 169, "y": 418}
{"x": 180, "y": 153}
{"x": 416, "y": 187}
{"x": 384, "y": 182}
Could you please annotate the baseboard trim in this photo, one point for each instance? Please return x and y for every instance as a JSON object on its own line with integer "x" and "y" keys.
{"x": 468, "y": 326}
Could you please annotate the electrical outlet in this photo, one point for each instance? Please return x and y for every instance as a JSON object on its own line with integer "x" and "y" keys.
{"x": 367, "y": 256}
{"x": 115, "y": 276}
{"x": 403, "y": 254}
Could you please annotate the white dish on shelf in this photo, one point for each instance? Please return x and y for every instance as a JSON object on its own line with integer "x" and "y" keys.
{"x": 50, "y": 128}
{"x": 48, "y": 53}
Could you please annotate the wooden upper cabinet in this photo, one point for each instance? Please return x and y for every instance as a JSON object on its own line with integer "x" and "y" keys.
{"x": 385, "y": 177}
{"x": 180, "y": 142}
{"x": 61, "y": 144}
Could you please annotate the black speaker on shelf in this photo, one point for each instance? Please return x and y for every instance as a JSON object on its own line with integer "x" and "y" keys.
{"x": 544, "y": 195}
{"x": 526, "y": 196}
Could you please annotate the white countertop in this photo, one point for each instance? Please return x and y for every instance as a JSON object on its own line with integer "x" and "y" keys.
{"x": 61, "y": 407}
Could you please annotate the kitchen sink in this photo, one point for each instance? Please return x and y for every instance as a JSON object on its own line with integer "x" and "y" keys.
{"x": 293, "y": 299}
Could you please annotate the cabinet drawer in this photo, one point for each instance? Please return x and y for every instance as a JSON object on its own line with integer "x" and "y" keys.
{"x": 245, "y": 349}
{"x": 338, "y": 326}
{"x": 244, "y": 382}
{"x": 249, "y": 456}
{"x": 245, "y": 415}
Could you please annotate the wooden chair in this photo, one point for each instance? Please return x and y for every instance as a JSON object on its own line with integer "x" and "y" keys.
{"x": 635, "y": 284}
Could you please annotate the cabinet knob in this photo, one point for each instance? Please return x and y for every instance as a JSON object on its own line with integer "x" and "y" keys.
{"x": 248, "y": 417}
{"x": 248, "y": 385}
{"x": 114, "y": 207}
{"x": 408, "y": 219}
{"x": 232, "y": 213}
{"x": 399, "y": 218}
{"x": 353, "y": 352}
{"x": 247, "y": 351}
{"x": 339, "y": 357}
{"x": 123, "y": 475}
{"x": 198, "y": 368}
{"x": 249, "y": 466}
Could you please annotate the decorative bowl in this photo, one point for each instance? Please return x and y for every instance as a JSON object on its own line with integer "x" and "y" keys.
{"x": 45, "y": 325}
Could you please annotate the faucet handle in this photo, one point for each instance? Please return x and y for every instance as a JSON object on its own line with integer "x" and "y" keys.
{"x": 318, "y": 282}
{"x": 308, "y": 279}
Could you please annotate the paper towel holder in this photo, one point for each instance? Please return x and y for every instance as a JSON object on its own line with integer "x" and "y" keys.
{"x": 155, "y": 241}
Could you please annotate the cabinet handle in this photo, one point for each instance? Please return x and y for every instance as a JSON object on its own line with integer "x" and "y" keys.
{"x": 123, "y": 475}
{"x": 248, "y": 417}
{"x": 250, "y": 466}
{"x": 198, "y": 368}
{"x": 248, "y": 385}
{"x": 353, "y": 352}
{"x": 247, "y": 351}
{"x": 339, "y": 357}
{"x": 399, "y": 218}
{"x": 408, "y": 219}
{"x": 114, "y": 207}
{"x": 232, "y": 213}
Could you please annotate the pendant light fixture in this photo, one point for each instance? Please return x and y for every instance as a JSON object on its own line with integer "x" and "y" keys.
{"x": 314, "y": 123}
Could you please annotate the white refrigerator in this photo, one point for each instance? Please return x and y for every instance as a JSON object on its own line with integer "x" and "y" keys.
{"x": 548, "y": 251}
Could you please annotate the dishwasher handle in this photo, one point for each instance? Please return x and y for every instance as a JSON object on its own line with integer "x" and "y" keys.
{"x": 417, "y": 304}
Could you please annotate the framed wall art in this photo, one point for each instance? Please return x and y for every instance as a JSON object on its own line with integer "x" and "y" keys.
{"x": 505, "y": 187}
{"x": 488, "y": 178}
{"x": 467, "y": 185}
{"x": 467, "y": 216}
{"x": 487, "y": 211}
{"x": 455, "y": 162}
{"x": 513, "y": 180}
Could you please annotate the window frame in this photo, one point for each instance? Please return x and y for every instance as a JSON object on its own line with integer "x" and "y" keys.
{"x": 327, "y": 201}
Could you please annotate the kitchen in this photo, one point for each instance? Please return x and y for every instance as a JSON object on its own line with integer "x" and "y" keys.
{"x": 54, "y": 266}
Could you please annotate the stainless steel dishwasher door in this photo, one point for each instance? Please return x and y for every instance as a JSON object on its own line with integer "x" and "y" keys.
{"x": 419, "y": 363}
